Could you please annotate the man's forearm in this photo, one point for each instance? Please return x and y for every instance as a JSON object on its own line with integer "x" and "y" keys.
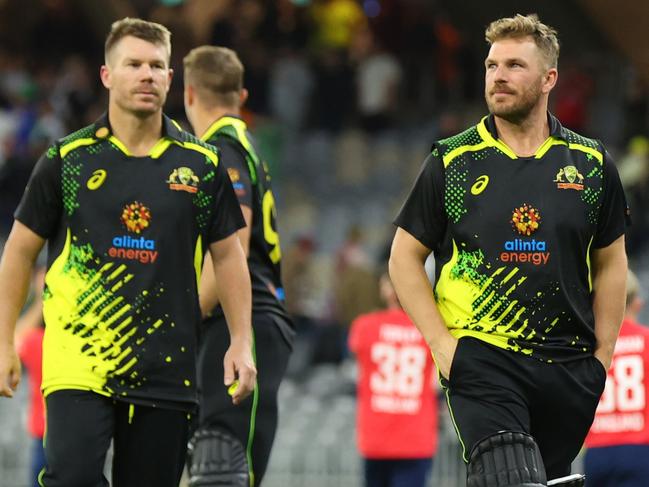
{"x": 15, "y": 275}
{"x": 609, "y": 292}
{"x": 234, "y": 293}
{"x": 416, "y": 296}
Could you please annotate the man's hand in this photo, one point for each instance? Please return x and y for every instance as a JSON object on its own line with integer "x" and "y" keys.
{"x": 609, "y": 265}
{"x": 239, "y": 365}
{"x": 444, "y": 353}
{"x": 9, "y": 370}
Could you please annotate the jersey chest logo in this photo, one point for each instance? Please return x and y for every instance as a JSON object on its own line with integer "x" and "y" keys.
{"x": 96, "y": 180}
{"x": 136, "y": 218}
{"x": 479, "y": 185}
{"x": 569, "y": 177}
{"x": 183, "y": 179}
{"x": 525, "y": 221}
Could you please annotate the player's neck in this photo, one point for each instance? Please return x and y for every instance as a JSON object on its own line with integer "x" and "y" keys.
{"x": 138, "y": 134}
{"x": 526, "y": 136}
{"x": 204, "y": 119}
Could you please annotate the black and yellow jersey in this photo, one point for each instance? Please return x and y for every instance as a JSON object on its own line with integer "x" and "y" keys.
{"x": 251, "y": 182}
{"x": 512, "y": 236}
{"x": 126, "y": 238}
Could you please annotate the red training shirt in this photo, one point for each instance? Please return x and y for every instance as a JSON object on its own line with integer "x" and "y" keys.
{"x": 397, "y": 407}
{"x": 622, "y": 417}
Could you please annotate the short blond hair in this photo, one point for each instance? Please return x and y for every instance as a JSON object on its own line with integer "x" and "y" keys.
{"x": 545, "y": 37}
{"x": 142, "y": 29}
{"x": 216, "y": 73}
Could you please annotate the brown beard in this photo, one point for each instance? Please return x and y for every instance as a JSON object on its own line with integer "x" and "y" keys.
{"x": 522, "y": 106}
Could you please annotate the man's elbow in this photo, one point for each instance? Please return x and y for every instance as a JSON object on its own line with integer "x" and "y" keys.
{"x": 393, "y": 263}
{"x": 399, "y": 262}
{"x": 391, "y": 268}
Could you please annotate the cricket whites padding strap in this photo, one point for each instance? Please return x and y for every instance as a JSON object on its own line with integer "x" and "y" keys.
{"x": 215, "y": 458}
{"x": 506, "y": 459}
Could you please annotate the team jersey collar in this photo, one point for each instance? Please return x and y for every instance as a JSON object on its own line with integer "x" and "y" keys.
{"x": 170, "y": 128}
{"x": 224, "y": 121}
{"x": 556, "y": 129}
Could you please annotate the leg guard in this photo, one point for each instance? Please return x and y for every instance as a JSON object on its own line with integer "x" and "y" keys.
{"x": 215, "y": 458}
{"x": 576, "y": 480}
{"x": 506, "y": 459}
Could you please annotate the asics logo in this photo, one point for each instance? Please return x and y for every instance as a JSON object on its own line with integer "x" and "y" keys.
{"x": 480, "y": 185}
{"x": 96, "y": 180}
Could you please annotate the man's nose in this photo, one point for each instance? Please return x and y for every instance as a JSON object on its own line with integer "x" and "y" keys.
{"x": 146, "y": 71}
{"x": 500, "y": 73}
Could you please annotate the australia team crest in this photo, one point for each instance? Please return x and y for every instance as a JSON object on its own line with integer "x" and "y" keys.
{"x": 569, "y": 177}
{"x": 183, "y": 179}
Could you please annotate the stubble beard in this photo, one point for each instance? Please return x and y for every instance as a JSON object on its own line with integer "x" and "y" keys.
{"x": 141, "y": 111}
{"x": 519, "y": 109}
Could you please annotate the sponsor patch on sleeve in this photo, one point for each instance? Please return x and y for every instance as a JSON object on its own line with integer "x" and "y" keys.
{"x": 234, "y": 175}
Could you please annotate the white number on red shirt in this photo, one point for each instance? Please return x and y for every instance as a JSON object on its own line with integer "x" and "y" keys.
{"x": 400, "y": 370}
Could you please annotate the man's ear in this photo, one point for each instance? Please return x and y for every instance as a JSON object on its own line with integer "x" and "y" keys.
{"x": 171, "y": 77}
{"x": 190, "y": 95}
{"x": 104, "y": 75}
{"x": 551, "y": 78}
{"x": 243, "y": 97}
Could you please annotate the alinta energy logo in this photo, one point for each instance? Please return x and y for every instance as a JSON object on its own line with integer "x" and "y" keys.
{"x": 525, "y": 221}
{"x": 135, "y": 217}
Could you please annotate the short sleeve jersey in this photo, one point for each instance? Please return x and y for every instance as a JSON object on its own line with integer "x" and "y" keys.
{"x": 397, "y": 406}
{"x": 126, "y": 239}
{"x": 513, "y": 236}
{"x": 622, "y": 416}
{"x": 251, "y": 182}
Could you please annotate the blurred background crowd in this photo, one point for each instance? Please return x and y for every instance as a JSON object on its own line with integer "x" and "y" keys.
{"x": 346, "y": 97}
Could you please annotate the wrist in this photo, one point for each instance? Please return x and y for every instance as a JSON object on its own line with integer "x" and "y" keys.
{"x": 604, "y": 354}
{"x": 439, "y": 339}
{"x": 243, "y": 339}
